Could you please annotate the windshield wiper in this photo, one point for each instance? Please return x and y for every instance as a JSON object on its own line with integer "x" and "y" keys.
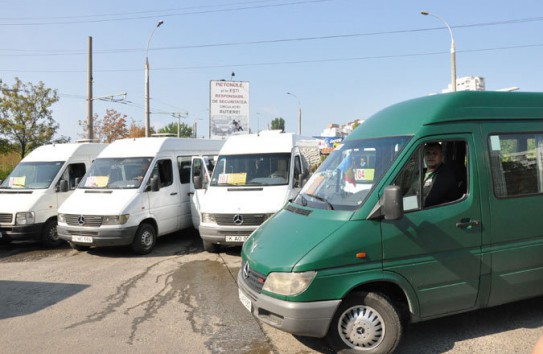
{"x": 321, "y": 199}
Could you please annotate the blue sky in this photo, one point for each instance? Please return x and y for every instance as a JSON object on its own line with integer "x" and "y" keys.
{"x": 343, "y": 59}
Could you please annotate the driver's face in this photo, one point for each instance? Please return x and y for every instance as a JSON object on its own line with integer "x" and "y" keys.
{"x": 433, "y": 157}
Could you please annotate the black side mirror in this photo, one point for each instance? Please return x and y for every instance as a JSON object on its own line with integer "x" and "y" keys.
{"x": 63, "y": 185}
{"x": 76, "y": 182}
{"x": 392, "y": 203}
{"x": 155, "y": 187}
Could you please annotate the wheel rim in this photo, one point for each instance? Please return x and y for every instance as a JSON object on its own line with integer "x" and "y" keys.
{"x": 361, "y": 328}
{"x": 147, "y": 238}
{"x": 53, "y": 235}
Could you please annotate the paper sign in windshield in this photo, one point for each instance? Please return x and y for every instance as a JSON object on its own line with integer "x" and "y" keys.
{"x": 233, "y": 178}
{"x": 364, "y": 174}
{"x": 17, "y": 182}
{"x": 97, "y": 181}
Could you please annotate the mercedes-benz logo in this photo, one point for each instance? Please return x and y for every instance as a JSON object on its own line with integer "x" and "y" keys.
{"x": 238, "y": 219}
{"x": 245, "y": 271}
{"x": 81, "y": 220}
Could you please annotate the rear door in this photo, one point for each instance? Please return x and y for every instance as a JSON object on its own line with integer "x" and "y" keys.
{"x": 438, "y": 248}
{"x": 200, "y": 177}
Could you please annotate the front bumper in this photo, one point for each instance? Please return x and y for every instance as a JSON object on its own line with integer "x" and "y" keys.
{"x": 311, "y": 319}
{"x": 22, "y": 232}
{"x": 100, "y": 237}
{"x": 233, "y": 236}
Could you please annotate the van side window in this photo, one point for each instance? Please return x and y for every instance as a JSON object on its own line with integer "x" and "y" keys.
{"x": 74, "y": 172}
{"x": 183, "y": 163}
{"x": 516, "y": 164}
{"x": 165, "y": 172}
{"x": 435, "y": 174}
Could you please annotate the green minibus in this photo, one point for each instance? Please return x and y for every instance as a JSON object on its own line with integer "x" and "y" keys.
{"x": 429, "y": 208}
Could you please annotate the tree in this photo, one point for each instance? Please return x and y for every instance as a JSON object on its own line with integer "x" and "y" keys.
{"x": 278, "y": 123}
{"x": 184, "y": 130}
{"x": 111, "y": 127}
{"x": 137, "y": 131}
{"x": 26, "y": 120}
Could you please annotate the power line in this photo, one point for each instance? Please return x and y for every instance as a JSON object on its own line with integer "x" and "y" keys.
{"x": 326, "y": 60}
{"x": 271, "y": 41}
{"x": 77, "y": 20}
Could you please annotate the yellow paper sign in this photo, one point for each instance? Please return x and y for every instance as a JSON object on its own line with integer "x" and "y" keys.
{"x": 97, "y": 181}
{"x": 17, "y": 182}
{"x": 364, "y": 174}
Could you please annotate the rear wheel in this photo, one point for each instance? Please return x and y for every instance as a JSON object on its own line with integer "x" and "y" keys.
{"x": 211, "y": 247}
{"x": 144, "y": 240}
{"x": 365, "y": 323}
{"x": 49, "y": 235}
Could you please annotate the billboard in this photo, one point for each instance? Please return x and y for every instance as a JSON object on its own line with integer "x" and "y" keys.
{"x": 228, "y": 108}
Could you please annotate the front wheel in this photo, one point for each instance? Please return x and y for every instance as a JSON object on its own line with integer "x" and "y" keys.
{"x": 211, "y": 247}
{"x": 49, "y": 235}
{"x": 144, "y": 240}
{"x": 365, "y": 323}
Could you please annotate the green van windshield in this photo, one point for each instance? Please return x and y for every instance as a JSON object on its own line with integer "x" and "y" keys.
{"x": 346, "y": 177}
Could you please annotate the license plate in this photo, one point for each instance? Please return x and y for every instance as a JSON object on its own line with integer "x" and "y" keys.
{"x": 83, "y": 239}
{"x": 246, "y": 302}
{"x": 236, "y": 238}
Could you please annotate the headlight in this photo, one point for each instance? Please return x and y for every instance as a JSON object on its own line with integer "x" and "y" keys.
{"x": 208, "y": 218}
{"x": 288, "y": 284}
{"x": 24, "y": 218}
{"x": 115, "y": 219}
{"x": 61, "y": 218}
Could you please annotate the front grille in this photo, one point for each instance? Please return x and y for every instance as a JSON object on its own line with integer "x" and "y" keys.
{"x": 254, "y": 280}
{"x": 83, "y": 220}
{"x": 6, "y": 218}
{"x": 234, "y": 219}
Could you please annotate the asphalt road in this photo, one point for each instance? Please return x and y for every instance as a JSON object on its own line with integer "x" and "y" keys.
{"x": 180, "y": 299}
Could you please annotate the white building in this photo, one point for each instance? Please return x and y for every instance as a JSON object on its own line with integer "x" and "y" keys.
{"x": 468, "y": 83}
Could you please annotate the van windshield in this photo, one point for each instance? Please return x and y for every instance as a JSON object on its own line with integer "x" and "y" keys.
{"x": 116, "y": 173}
{"x": 348, "y": 174}
{"x": 252, "y": 170}
{"x": 32, "y": 175}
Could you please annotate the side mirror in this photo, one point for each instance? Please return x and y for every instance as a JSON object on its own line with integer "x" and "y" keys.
{"x": 76, "y": 182}
{"x": 155, "y": 187}
{"x": 392, "y": 203}
{"x": 197, "y": 181}
{"x": 63, "y": 185}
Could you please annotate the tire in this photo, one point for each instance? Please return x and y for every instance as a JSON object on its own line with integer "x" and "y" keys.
{"x": 49, "y": 235}
{"x": 79, "y": 248}
{"x": 144, "y": 239}
{"x": 365, "y": 323}
{"x": 211, "y": 247}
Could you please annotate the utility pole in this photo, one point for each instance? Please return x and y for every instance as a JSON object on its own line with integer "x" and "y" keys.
{"x": 90, "y": 128}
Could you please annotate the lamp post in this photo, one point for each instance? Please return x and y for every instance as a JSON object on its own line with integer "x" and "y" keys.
{"x": 453, "y": 51}
{"x": 299, "y": 113}
{"x": 147, "y": 106}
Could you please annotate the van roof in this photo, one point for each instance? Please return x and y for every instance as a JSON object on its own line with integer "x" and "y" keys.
{"x": 62, "y": 152}
{"x": 262, "y": 143}
{"x": 406, "y": 118}
{"x": 137, "y": 147}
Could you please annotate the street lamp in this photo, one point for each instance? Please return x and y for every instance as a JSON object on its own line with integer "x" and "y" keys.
{"x": 299, "y": 113}
{"x": 453, "y": 51}
{"x": 147, "y": 106}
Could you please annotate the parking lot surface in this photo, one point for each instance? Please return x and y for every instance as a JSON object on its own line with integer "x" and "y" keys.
{"x": 180, "y": 299}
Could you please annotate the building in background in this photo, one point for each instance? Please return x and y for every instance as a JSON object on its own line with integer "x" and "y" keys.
{"x": 468, "y": 83}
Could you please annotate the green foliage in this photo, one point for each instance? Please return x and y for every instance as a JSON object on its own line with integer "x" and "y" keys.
{"x": 278, "y": 123}
{"x": 26, "y": 120}
{"x": 184, "y": 130}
